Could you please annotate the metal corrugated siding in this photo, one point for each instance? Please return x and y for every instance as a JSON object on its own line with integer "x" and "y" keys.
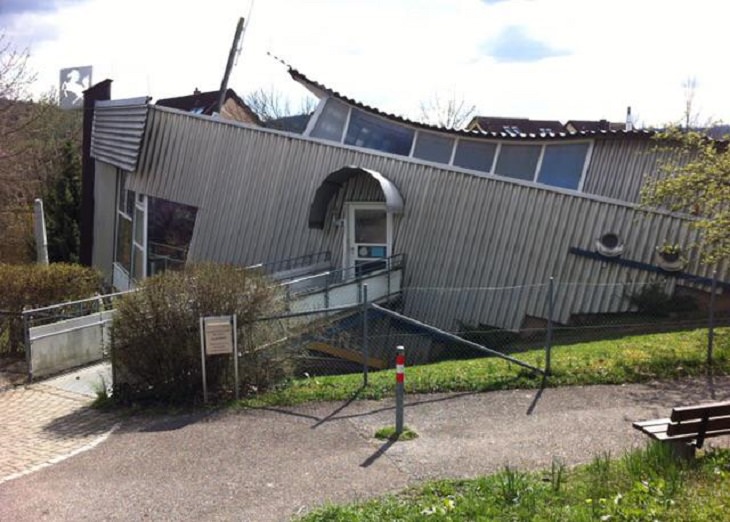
{"x": 117, "y": 132}
{"x": 618, "y": 167}
{"x": 462, "y": 234}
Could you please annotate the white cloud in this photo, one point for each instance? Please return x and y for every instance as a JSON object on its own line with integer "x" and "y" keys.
{"x": 394, "y": 54}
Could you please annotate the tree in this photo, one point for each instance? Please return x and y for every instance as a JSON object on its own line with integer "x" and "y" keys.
{"x": 32, "y": 135}
{"x": 452, "y": 112}
{"x": 270, "y": 104}
{"x": 696, "y": 181}
{"x": 63, "y": 206}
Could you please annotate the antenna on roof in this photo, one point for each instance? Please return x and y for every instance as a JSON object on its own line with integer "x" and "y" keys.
{"x": 231, "y": 56}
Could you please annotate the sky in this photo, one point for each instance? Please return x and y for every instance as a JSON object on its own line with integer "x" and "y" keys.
{"x": 539, "y": 59}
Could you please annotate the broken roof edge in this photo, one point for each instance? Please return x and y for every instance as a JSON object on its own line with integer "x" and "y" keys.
{"x": 315, "y": 87}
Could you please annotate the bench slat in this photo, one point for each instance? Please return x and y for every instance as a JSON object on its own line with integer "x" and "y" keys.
{"x": 713, "y": 424}
{"x": 715, "y": 409}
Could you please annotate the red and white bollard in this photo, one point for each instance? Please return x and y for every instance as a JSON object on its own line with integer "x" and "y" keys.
{"x": 400, "y": 378}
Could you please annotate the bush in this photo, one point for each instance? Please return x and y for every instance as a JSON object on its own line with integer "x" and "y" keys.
{"x": 32, "y": 286}
{"x": 653, "y": 300}
{"x": 156, "y": 334}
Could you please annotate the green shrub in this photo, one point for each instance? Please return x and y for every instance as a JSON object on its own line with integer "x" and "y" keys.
{"x": 156, "y": 334}
{"x": 653, "y": 300}
{"x": 32, "y": 286}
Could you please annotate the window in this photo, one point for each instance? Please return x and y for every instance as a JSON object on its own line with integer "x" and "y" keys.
{"x": 376, "y": 133}
{"x": 169, "y": 231}
{"x": 124, "y": 242}
{"x": 475, "y": 155}
{"x": 562, "y": 165}
{"x": 433, "y": 147}
{"x": 518, "y": 161}
{"x": 331, "y": 121}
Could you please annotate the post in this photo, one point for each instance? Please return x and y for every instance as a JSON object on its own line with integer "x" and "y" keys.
{"x": 202, "y": 360}
{"x": 41, "y": 240}
{"x": 365, "y": 344}
{"x": 235, "y": 355}
{"x": 28, "y": 348}
{"x": 400, "y": 377}
{"x": 711, "y": 326}
{"x": 549, "y": 333}
{"x": 229, "y": 66}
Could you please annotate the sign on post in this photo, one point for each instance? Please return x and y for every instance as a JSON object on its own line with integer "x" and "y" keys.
{"x": 218, "y": 337}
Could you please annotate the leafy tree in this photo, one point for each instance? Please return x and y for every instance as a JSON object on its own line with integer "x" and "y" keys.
{"x": 63, "y": 206}
{"x": 696, "y": 181}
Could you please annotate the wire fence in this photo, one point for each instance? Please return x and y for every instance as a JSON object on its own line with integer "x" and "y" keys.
{"x": 459, "y": 323}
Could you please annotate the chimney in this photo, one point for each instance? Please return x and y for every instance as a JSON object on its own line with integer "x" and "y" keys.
{"x": 629, "y": 121}
{"x": 196, "y": 92}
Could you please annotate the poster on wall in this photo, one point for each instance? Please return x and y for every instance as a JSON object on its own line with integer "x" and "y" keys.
{"x": 72, "y": 84}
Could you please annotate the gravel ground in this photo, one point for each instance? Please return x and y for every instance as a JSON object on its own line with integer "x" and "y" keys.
{"x": 272, "y": 464}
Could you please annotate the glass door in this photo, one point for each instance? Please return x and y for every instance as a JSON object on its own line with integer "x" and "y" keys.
{"x": 368, "y": 238}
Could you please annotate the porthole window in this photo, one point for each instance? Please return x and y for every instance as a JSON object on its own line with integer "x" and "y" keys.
{"x": 609, "y": 245}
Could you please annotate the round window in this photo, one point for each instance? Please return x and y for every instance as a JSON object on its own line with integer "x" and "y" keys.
{"x": 609, "y": 245}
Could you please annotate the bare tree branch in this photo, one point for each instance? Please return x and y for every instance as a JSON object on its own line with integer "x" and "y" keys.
{"x": 452, "y": 112}
{"x": 270, "y": 104}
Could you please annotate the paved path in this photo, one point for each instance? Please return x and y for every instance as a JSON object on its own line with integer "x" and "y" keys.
{"x": 271, "y": 464}
{"x": 44, "y": 423}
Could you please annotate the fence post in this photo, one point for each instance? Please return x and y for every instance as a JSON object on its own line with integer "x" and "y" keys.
{"x": 711, "y": 326}
{"x": 365, "y": 344}
{"x": 549, "y": 333}
{"x": 400, "y": 377}
{"x": 26, "y": 339}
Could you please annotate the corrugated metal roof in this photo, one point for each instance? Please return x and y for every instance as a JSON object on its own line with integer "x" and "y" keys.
{"x": 315, "y": 86}
{"x": 116, "y": 135}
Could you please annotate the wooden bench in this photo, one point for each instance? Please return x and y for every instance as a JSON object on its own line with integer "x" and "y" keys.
{"x": 688, "y": 426}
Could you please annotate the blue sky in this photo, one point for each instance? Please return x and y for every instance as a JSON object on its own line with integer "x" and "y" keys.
{"x": 543, "y": 59}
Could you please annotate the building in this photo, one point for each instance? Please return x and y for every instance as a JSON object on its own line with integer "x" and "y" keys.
{"x": 471, "y": 211}
{"x": 206, "y": 103}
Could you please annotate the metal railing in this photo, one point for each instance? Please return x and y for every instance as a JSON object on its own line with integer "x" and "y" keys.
{"x": 283, "y": 265}
{"x": 329, "y": 281}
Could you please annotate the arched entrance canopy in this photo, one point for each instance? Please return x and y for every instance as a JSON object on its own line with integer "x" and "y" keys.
{"x": 336, "y": 180}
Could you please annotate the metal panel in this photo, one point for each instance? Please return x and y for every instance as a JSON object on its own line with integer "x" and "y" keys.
{"x": 480, "y": 249}
{"x": 117, "y": 131}
{"x": 618, "y": 167}
{"x": 105, "y": 218}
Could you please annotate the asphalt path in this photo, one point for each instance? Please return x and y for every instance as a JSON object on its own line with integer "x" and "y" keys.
{"x": 275, "y": 464}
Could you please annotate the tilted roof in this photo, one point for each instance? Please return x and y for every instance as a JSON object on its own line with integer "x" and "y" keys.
{"x": 321, "y": 90}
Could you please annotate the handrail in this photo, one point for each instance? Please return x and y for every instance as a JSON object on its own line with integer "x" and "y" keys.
{"x": 294, "y": 262}
{"x": 392, "y": 263}
{"x": 71, "y": 303}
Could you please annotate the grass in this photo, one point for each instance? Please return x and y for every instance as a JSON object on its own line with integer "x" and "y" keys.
{"x": 388, "y": 433}
{"x": 643, "y": 485}
{"x": 633, "y": 359}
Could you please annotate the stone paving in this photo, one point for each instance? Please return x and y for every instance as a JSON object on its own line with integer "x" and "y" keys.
{"x": 43, "y": 424}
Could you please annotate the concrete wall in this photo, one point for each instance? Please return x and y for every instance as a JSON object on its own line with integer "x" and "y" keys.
{"x": 66, "y": 344}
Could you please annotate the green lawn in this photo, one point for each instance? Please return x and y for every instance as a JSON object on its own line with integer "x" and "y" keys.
{"x": 627, "y": 360}
{"x": 646, "y": 485}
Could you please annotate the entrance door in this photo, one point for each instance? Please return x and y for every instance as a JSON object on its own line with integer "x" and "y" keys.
{"x": 368, "y": 239}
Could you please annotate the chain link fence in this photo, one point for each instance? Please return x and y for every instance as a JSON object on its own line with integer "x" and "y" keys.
{"x": 508, "y": 320}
